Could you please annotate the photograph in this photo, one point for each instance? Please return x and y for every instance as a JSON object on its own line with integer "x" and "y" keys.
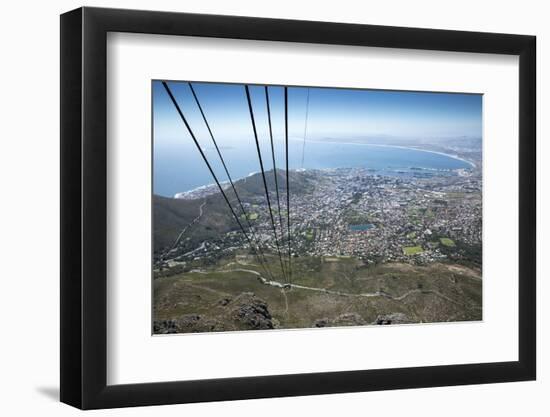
{"x": 282, "y": 207}
{"x": 242, "y": 208}
{"x": 236, "y": 185}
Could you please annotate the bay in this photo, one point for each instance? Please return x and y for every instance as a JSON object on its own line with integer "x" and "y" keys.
{"x": 180, "y": 168}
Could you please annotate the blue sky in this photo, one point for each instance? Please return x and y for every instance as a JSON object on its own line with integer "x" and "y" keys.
{"x": 333, "y": 113}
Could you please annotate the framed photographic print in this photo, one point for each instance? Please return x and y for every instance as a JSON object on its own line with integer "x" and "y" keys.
{"x": 257, "y": 208}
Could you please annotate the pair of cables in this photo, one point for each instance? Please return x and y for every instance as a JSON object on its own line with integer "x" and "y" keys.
{"x": 252, "y": 237}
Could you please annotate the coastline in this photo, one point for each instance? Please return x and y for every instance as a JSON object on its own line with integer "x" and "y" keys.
{"x": 209, "y": 188}
{"x": 183, "y": 195}
{"x": 456, "y": 157}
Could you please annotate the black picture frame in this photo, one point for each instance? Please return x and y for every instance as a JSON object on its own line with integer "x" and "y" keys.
{"x": 84, "y": 207}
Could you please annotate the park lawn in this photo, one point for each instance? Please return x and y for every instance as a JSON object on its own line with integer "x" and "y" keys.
{"x": 447, "y": 242}
{"x": 412, "y": 250}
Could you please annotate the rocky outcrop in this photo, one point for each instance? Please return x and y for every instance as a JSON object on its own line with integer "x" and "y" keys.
{"x": 187, "y": 323}
{"x": 251, "y": 311}
{"x": 393, "y": 318}
{"x": 164, "y": 327}
{"x": 347, "y": 319}
{"x": 244, "y": 312}
{"x": 324, "y": 322}
{"x": 354, "y": 319}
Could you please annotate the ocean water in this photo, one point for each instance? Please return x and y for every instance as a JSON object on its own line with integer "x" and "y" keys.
{"x": 180, "y": 167}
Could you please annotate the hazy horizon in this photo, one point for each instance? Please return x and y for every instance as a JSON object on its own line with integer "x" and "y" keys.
{"x": 331, "y": 113}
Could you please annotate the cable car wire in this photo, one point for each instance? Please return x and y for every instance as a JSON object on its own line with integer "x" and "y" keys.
{"x": 287, "y": 189}
{"x": 247, "y": 90}
{"x": 178, "y": 109}
{"x": 227, "y": 172}
{"x": 273, "y": 159}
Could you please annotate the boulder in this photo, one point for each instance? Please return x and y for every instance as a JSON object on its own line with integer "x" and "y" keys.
{"x": 250, "y": 311}
{"x": 393, "y": 318}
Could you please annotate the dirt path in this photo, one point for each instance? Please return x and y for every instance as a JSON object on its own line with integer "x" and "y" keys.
{"x": 200, "y": 287}
{"x": 286, "y": 302}
{"x": 462, "y": 270}
{"x": 339, "y": 293}
{"x": 195, "y": 220}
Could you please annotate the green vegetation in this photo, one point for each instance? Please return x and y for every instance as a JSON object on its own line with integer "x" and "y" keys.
{"x": 356, "y": 198}
{"x": 433, "y": 293}
{"x": 456, "y": 195}
{"x": 414, "y": 212}
{"x": 412, "y": 250}
{"x": 429, "y": 214}
{"x": 353, "y": 217}
{"x": 447, "y": 242}
{"x": 207, "y": 278}
{"x": 171, "y": 216}
{"x": 463, "y": 253}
